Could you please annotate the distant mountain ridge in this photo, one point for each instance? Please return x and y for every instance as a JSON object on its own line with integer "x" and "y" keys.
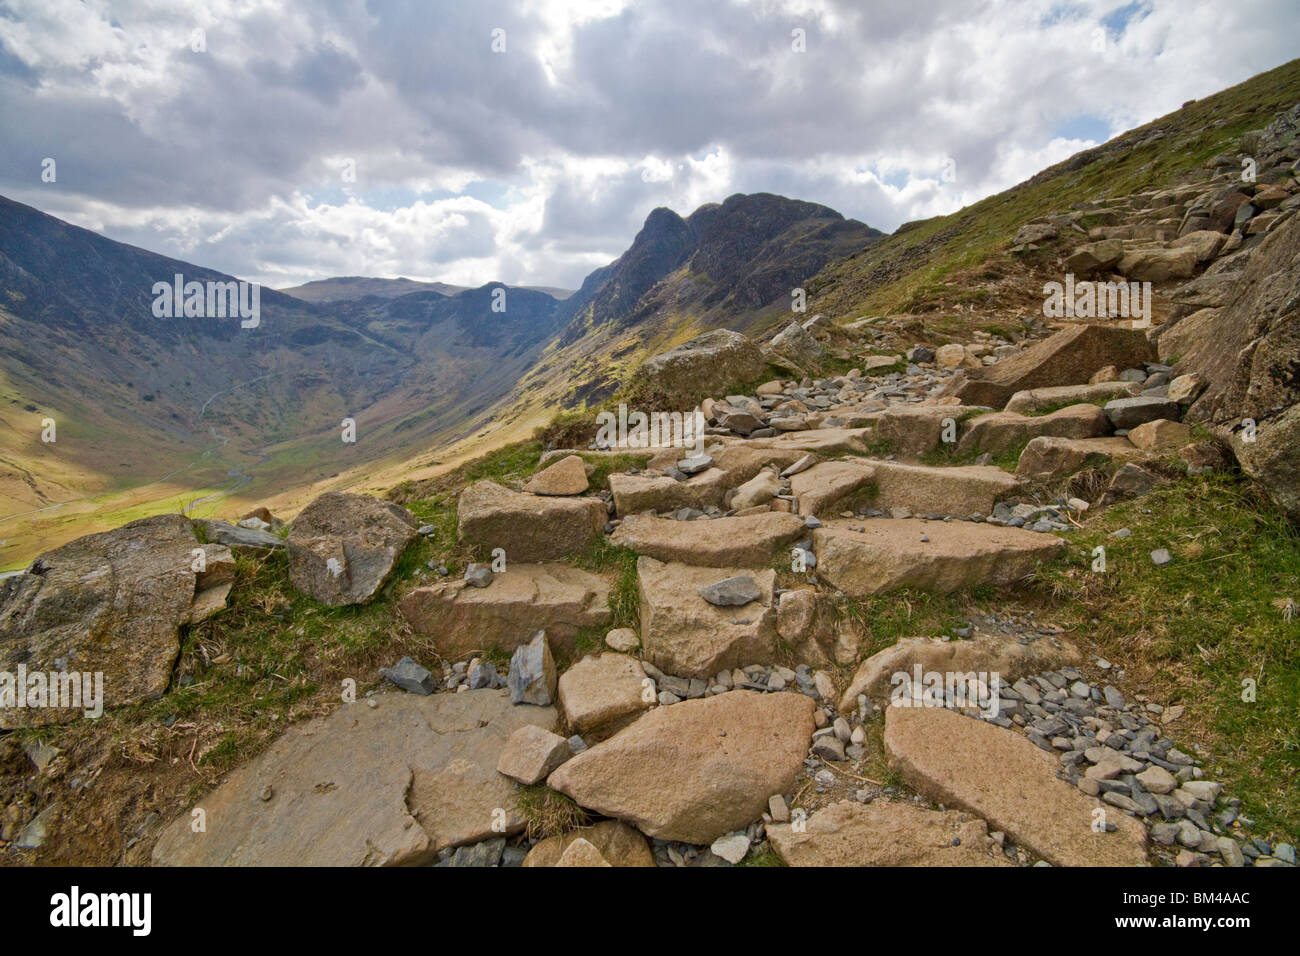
{"x": 350, "y": 288}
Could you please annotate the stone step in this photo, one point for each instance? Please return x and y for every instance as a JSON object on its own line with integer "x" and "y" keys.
{"x": 1035, "y": 399}
{"x": 1072, "y": 355}
{"x": 528, "y": 527}
{"x": 999, "y": 775}
{"x": 886, "y": 833}
{"x": 524, "y": 599}
{"x": 1046, "y": 459}
{"x": 910, "y": 431}
{"x": 888, "y": 554}
{"x": 386, "y": 785}
{"x": 647, "y": 492}
{"x": 824, "y": 441}
{"x": 684, "y": 635}
{"x": 987, "y": 653}
{"x": 832, "y": 486}
{"x": 1001, "y": 432}
{"x": 957, "y": 489}
{"x": 745, "y": 541}
{"x": 697, "y": 770}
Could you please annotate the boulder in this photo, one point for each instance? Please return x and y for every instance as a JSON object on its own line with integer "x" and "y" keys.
{"x": 833, "y": 485}
{"x": 794, "y": 343}
{"x": 111, "y": 602}
{"x": 531, "y": 678}
{"x": 644, "y": 492}
{"x": 531, "y": 753}
{"x": 1011, "y": 660}
{"x": 823, "y": 441}
{"x": 924, "y": 489}
{"x": 618, "y": 844}
{"x": 1205, "y": 243}
{"x": 365, "y": 786}
{"x": 888, "y": 554}
{"x": 684, "y": 635}
{"x": 529, "y": 527}
{"x": 1095, "y": 257}
{"x": 603, "y": 693}
{"x": 1160, "y": 435}
{"x": 1036, "y": 399}
{"x": 1000, "y": 776}
{"x": 738, "y": 541}
{"x": 1000, "y": 433}
{"x": 885, "y": 833}
{"x": 910, "y": 431}
{"x": 246, "y": 541}
{"x": 464, "y": 620}
{"x": 1131, "y": 412}
{"x": 705, "y": 365}
{"x": 759, "y": 490}
{"x": 1046, "y": 459}
{"x": 568, "y": 476}
{"x": 1150, "y": 264}
{"x": 342, "y": 547}
{"x": 1069, "y": 357}
{"x": 696, "y": 770}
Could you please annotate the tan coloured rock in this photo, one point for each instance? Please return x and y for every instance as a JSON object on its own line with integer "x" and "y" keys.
{"x": 1158, "y": 265}
{"x": 1069, "y": 357}
{"x": 759, "y": 490}
{"x": 749, "y": 540}
{"x": 698, "y": 769}
{"x": 833, "y": 486}
{"x": 618, "y": 844}
{"x": 684, "y": 635}
{"x": 889, "y": 554}
{"x": 925, "y": 489}
{"x": 1011, "y": 660}
{"x": 382, "y": 786}
{"x": 1046, "y": 459}
{"x": 1000, "y": 776}
{"x": 913, "y": 430}
{"x": 525, "y": 598}
{"x": 1036, "y": 399}
{"x": 528, "y": 527}
{"x": 602, "y": 694}
{"x": 1001, "y": 432}
{"x": 634, "y": 494}
{"x": 342, "y": 547}
{"x": 568, "y": 476}
{"x": 531, "y": 753}
{"x": 1205, "y": 243}
{"x": 581, "y": 853}
{"x": 885, "y": 833}
{"x": 823, "y": 441}
{"x": 1160, "y": 435}
{"x": 111, "y": 602}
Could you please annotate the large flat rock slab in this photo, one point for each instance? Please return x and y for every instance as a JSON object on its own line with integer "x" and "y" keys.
{"x": 382, "y": 786}
{"x": 999, "y": 433}
{"x": 696, "y": 770}
{"x": 634, "y": 494}
{"x": 999, "y": 775}
{"x": 685, "y": 635}
{"x": 1069, "y": 357}
{"x": 889, "y": 554}
{"x": 955, "y": 489}
{"x": 1046, "y": 459}
{"x": 987, "y": 653}
{"x": 112, "y": 602}
{"x": 748, "y": 540}
{"x": 1038, "y": 399}
{"x": 910, "y": 431}
{"x": 886, "y": 833}
{"x": 824, "y": 441}
{"x": 342, "y": 547}
{"x": 528, "y": 527}
{"x": 519, "y": 602}
{"x": 833, "y": 485}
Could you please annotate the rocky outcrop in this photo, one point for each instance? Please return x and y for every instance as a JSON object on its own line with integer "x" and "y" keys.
{"x": 342, "y": 547}
{"x": 365, "y": 786}
{"x": 696, "y": 770}
{"x": 527, "y": 527}
{"x": 1000, "y": 776}
{"x": 112, "y": 603}
{"x": 525, "y": 598}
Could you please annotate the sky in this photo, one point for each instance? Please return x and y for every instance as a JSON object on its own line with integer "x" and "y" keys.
{"x": 526, "y": 141}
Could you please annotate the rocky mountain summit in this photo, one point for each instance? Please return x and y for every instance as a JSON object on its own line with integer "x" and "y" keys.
{"x": 920, "y": 592}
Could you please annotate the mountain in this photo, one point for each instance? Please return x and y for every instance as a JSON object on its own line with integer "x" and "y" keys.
{"x": 154, "y": 412}
{"x": 350, "y": 288}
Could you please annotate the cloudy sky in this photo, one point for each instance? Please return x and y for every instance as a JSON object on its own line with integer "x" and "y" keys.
{"x": 526, "y": 141}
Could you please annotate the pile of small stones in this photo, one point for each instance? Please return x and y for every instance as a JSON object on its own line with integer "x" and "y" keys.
{"x": 1112, "y": 748}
